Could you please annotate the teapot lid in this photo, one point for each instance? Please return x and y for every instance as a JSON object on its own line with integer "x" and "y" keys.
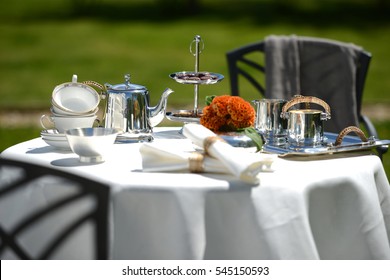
{"x": 126, "y": 86}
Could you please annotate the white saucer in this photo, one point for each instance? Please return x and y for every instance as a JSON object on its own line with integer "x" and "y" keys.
{"x": 52, "y": 134}
{"x": 55, "y": 139}
{"x": 59, "y": 144}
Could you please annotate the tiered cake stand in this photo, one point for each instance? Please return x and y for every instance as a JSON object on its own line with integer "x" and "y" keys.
{"x": 194, "y": 78}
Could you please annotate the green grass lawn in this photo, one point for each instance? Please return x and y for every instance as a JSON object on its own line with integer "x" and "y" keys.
{"x": 44, "y": 42}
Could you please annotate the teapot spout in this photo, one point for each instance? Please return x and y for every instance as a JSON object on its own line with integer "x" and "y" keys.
{"x": 157, "y": 113}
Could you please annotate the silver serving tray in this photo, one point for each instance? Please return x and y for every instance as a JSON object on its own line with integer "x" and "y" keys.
{"x": 188, "y": 77}
{"x": 186, "y": 116}
{"x": 133, "y": 137}
{"x": 349, "y": 144}
{"x": 238, "y": 140}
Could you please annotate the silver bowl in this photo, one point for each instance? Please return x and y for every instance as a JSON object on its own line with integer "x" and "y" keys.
{"x": 91, "y": 144}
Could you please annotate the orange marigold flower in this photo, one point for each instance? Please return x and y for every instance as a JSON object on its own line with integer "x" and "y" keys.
{"x": 219, "y": 105}
{"x": 239, "y": 124}
{"x": 240, "y": 110}
{"x": 210, "y": 120}
{"x": 228, "y": 113}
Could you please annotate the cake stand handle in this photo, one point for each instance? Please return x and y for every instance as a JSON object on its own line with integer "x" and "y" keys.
{"x": 197, "y": 40}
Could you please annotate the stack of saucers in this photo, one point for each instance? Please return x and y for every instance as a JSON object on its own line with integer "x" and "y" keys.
{"x": 55, "y": 139}
{"x": 74, "y": 105}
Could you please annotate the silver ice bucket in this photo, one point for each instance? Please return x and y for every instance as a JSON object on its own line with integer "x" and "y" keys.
{"x": 305, "y": 126}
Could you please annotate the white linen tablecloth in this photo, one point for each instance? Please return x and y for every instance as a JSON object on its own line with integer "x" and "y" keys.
{"x": 332, "y": 208}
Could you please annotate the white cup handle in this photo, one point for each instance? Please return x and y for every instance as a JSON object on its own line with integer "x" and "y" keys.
{"x": 49, "y": 119}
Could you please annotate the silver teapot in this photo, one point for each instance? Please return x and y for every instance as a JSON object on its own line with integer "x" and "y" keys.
{"x": 127, "y": 108}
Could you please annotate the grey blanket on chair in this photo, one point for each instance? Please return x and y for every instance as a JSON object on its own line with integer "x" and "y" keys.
{"x": 314, "y": 67}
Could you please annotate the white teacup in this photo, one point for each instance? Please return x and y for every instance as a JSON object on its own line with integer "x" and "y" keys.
{"x": 61, "y": 113}
{"x": 75, "y": 98}
{"x": 64, "y": 123}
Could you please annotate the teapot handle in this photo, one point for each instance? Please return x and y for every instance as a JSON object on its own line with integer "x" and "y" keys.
{"x": 305, "y": 99}
{"x": 102, "y": 93}
{"x": 97, "y": 85}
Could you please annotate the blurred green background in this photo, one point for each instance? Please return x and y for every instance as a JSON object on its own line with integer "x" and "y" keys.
{"x": 44, "y": 42}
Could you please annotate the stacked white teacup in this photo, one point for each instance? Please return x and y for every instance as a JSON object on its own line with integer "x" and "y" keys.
{"x": 74, "y": 105}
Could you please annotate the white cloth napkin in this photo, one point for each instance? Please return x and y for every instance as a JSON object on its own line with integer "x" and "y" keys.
{"x": 244, "y": 165}
{"x": 167, "y": 157}
{"x": 180, "y": 155}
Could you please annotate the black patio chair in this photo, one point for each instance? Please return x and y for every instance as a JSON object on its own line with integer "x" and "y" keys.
{"x": 248, "y": 62}
{"x": 78, "y": 205}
